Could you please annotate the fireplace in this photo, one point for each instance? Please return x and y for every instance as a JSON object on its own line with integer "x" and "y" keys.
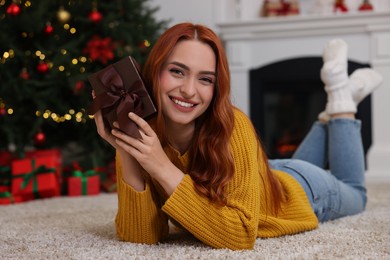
{"x": 286, "y": 98}
{"x": 253, "y": 43}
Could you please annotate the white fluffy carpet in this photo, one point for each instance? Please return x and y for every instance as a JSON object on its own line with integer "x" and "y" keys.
{"x": 83, "y": 228}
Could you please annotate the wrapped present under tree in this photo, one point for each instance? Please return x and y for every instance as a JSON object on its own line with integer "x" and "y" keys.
{"x": 83, "y": 183}
{"x": 35, "y": 178}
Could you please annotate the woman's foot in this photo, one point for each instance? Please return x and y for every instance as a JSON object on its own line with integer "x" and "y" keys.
{"x": 361, "y": 83}
{"x": 334, "y": 74}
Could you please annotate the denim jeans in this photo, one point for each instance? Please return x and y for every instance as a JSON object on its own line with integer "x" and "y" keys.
{"x": 340, "y": 190}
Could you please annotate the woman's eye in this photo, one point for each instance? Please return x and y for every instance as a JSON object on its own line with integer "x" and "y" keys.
{"x": 207, "y": 80}
{"x": 176, "y": 71}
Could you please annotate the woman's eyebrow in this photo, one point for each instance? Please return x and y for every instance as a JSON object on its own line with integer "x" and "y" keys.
{"x": 185, "y": 67}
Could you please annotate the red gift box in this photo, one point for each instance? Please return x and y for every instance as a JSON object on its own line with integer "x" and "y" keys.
{"x": 6, "y": 158}
{"x": 6, "y": 198}
{"x": 34, "y": 178}
{"x": 83, "y": 183}
{"x": 55, "y": 153}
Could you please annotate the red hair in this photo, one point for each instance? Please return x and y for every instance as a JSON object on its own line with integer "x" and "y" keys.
{"x": 211, "y": 164}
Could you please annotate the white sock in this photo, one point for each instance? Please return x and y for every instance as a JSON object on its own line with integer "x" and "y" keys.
{"x": 335, "y": 77}
{"x": 362, "y": 83}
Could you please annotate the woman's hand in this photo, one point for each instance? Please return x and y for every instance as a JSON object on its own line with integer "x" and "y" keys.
{"x": 149, "y": 154}
{"x": 131, "y": 171}
{"x": 147, "y": 151}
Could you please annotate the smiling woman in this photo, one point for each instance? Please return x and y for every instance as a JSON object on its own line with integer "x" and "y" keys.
{"x": 200, "y": 164}
{"x": 186, "y": 88}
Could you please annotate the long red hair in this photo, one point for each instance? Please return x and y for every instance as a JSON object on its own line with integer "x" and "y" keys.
{"x": 211, "y": 164}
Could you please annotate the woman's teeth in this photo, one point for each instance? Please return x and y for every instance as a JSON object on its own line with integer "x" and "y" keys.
{"x": 181, "y": 103}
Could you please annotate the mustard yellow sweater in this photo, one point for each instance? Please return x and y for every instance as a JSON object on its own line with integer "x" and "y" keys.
{"x": 143, "y": 216}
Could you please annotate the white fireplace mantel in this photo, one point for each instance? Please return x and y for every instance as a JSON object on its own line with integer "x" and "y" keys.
{"x": 254, "y": 43}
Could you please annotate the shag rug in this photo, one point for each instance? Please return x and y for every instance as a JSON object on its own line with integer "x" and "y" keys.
{"x": 83, "y": 228}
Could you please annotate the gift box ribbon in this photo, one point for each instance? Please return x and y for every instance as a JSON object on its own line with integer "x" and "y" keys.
{"x": 7, "y": 195}
{"x": 33, "y": 174}
{"x": 117, "y": 96}
{"x": 84, "y": 179}
{"x": 5, "y": 169}
{"x": 5, "y": 175}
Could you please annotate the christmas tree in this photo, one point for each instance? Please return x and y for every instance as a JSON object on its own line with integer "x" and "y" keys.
{"x": 48, "y": 48}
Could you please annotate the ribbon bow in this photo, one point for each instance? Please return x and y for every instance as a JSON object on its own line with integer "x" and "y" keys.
{"x": 84, "y": 178}
{"x": 117, "y": 98}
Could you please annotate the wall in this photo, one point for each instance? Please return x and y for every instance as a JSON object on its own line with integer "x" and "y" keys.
{"x": 199, "y": 11}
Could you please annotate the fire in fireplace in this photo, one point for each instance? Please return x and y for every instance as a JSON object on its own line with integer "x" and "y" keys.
{"x": 286, "y": 98}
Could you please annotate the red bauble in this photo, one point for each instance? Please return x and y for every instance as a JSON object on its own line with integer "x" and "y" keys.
{"x": 78, "y": 86}
{"x": 24, "y": 74}
{"x": 2, "y": 111}
{"x": 43, "y": 68}
{"x": 95, "y": 16}
{"x": 49, "y": 29}
{"x": 39, "y": 139}
{"x": 13, "y": 9}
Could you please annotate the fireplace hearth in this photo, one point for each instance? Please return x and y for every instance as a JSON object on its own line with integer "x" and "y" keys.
{"x": 286, "y": 98}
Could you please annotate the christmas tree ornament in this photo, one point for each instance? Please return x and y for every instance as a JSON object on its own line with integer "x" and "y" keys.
{"x": 39, "y": 139}
{"x": 78, "y": 86}
{"x": 366, "y": 6}
{"x": 49, "y": 29}
{"x": 13, "y": 9}
{"x": 2, "y": 111}
{"x": 12, "y": 147}
{"x": 143, "y": 46}
{"x": 95, "y": 16}
{"x": 24, "y": 74}
{"x": 42, "y": 67}
{"x": 63, "y": 15}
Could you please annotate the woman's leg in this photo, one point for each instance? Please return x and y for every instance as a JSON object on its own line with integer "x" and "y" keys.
{"x": 314, "y": 147}
{"x": 346, "y": 162}
{"x": 340, "y": 191}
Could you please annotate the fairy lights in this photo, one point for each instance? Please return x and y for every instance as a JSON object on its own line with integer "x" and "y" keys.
{"x": 77, "y": 116}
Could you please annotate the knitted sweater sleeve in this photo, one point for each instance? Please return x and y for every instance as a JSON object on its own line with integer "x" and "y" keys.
{"x": 234, "y": 225}
{"x": 139, "y": 218}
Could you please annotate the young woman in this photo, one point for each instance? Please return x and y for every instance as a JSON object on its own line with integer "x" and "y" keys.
{"x": 200, "y": 164}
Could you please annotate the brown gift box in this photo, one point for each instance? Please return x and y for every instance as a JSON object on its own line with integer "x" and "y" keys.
{"x": 119, "y": 90}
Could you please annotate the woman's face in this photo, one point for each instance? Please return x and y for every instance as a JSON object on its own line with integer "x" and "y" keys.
{"x": 187, "y": 82}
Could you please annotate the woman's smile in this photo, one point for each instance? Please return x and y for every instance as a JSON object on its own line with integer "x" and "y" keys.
{"x": 182, "y": 104}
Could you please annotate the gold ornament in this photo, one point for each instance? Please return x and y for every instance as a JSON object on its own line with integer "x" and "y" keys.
{"x": 63, "y": 15}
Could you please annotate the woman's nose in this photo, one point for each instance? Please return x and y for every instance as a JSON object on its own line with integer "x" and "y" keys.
{"x": 188, "y": 89}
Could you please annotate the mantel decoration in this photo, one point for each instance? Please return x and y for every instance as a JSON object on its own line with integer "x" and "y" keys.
{"x": 272, "y": 8}
{"x": 279, "y": 8}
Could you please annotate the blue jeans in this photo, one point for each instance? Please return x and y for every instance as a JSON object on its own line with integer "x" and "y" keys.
{"x": 339, "y": 191}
